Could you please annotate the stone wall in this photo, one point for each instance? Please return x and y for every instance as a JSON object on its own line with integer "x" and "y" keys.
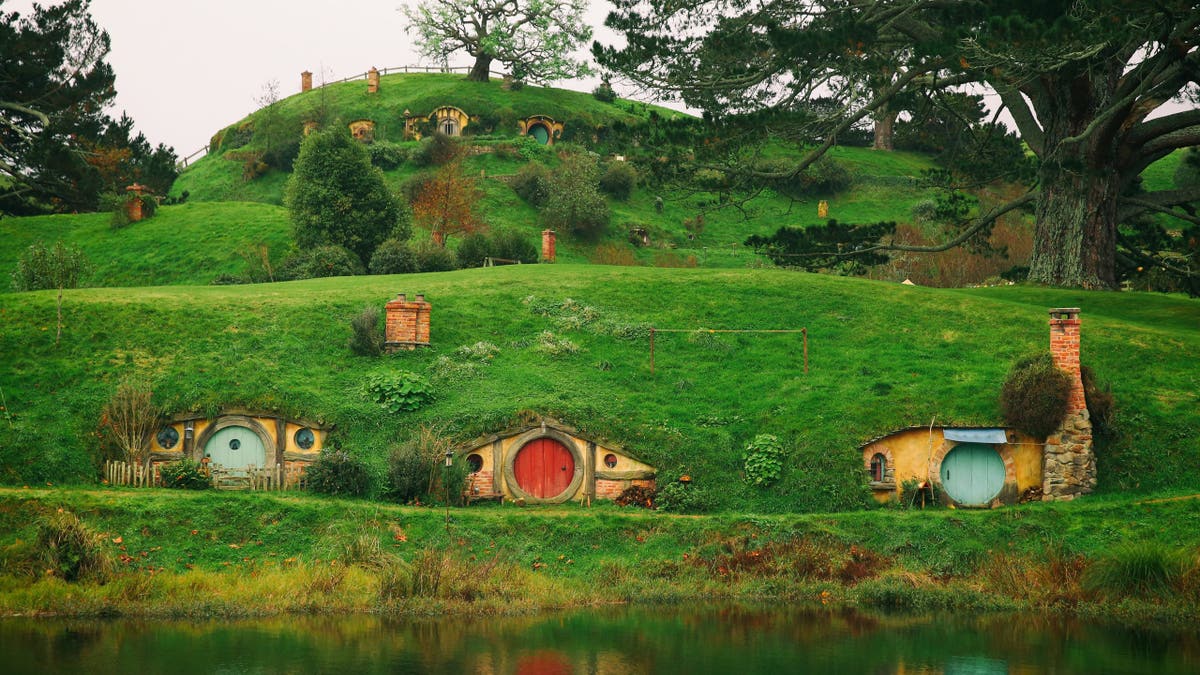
{"x": 611, "y": 489}
{"x": 548, "y": 245}
{"x": 1070, "y": 464}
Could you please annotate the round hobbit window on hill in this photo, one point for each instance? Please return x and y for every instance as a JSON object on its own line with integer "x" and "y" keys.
{"x": 168, "y": 437}
{"x": 305, "y": 438}
{"x": 610, "y": 460}
{"x": 475, "y": 462}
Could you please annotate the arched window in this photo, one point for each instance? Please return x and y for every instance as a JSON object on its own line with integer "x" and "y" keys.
{"x": 878, "y": 467}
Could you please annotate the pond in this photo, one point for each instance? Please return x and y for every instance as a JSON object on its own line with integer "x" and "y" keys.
{"x": 609, "y": 640}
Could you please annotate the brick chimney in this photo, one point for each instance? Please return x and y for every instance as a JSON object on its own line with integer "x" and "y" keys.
{"x": 305, "y": 81}
{"x": 548, "y": 245}
{"x": 133, "y": 202}
{"x": 1070, "y": 466}
{"x": 407, "y": 323}
{"x": 373, "y": 80}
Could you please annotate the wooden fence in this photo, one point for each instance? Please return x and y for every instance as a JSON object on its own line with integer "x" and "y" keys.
{"x": 278, "y": 477}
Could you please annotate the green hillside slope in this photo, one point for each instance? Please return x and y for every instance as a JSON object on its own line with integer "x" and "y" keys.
{"x": 882, "y": 357}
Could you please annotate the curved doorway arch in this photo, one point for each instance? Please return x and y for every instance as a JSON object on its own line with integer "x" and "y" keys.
{"x": 972, "y": 474}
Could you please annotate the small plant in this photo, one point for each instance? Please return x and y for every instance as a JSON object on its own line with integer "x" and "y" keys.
{"x": 763, "y": 460}
{"x": 366, "y": 335}
{"x": 676, "y": 497}
{"x": 185, "y": 475}
{"x": 404, "y": 391}
{"x": 413, "y": 467}
{"x": 480, "y": 351}
{"x": 337, "y": 472}
{"x": 532, "y": 183}
{"x": 1035, "y": 396}
{"x": 552, "y": 345}
{"x": 1137, "y": 570}
{"x": 41, "y": 268}
{"x": 70, "y": 549}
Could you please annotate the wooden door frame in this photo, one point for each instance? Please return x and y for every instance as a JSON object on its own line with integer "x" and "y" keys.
{"x": 528, "y": 437}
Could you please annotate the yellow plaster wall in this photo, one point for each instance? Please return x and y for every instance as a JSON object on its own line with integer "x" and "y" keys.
{"x": 290, "y": 446}
{"x": 913, "y": 449}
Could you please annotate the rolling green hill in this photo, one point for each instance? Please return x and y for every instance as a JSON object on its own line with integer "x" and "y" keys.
{"x": 883, "y": 356}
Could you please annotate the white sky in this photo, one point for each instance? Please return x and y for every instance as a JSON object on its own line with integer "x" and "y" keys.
{"x": 188, "y": 68}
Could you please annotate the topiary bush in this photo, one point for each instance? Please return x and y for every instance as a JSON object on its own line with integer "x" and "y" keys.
{"x": 366, "y": 333}
{"x": 185, "y": 475}
{"x": 337, "y": 472}
{"x": 619, "y": 180}
{"x": 1035, "y": 396}
{"x": 762, "y": 460}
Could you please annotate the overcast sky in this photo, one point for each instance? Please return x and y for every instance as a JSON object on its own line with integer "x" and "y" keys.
{"x": 188, "y": 68}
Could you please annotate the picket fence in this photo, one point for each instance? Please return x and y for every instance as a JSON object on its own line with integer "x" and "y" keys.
{"x": 278, "y": 477}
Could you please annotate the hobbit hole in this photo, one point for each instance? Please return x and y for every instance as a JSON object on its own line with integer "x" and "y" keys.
{"x": 363, "y": 130}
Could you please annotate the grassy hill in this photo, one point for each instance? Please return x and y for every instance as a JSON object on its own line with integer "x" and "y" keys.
{"x": 882, "y": 357}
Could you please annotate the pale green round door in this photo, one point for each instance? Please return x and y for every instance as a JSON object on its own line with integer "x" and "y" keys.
{"x": 540, "y": 133}
{"x": 972, "y": 474}
{"x": 236, "y": 448}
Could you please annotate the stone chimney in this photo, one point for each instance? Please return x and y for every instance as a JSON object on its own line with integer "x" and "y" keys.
{"x": 407, "y": 323}
{"x": 373, "y": 80}
{"x": 305, "y": 81}
{"x": 548, "y": 245}
{"x": 133, "y": 202}
{"x": 1070, "y": 466}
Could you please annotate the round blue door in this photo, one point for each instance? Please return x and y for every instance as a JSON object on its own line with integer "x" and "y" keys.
{"x": 236, "y": 448}
{"x": 540, "y": 133}
{"x": 972, "y": 474}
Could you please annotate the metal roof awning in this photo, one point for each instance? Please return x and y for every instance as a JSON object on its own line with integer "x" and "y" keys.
{"x": 975, "y": 435}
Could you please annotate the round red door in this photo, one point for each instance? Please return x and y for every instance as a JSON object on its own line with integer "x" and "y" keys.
{"x": 544, "y": 468}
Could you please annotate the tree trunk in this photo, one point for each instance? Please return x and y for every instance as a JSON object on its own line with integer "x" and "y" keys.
{"x": 885, "y": 125}
{"x": 1074, "y": 241}
{"x": 482, "y": 68}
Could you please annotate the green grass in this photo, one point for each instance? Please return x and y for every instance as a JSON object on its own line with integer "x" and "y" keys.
{"x": 942, "y": 354}
{"x": 179, "y": 553}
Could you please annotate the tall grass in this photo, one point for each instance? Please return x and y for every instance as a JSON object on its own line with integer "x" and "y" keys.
{"x": 1139, "y": 570}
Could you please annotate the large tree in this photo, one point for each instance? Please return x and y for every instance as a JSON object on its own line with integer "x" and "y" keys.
{"x": 1080, "y": 79}
{"x": 336, "y": 197}
{"x": 533, "y": 38}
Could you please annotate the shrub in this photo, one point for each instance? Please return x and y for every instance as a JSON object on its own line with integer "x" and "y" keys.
{"x": 604, "y": 92}
{"x": 436, "y": 150}
{"x": 410, "y": 473}
{"x": 532, "y": 184}
{"x": 763, "y": 460}
{"x": 432, "y": 258}
{"x": 131, "y": 416}
{"x": 619, "y": 180}
{"x": 473, "y": 250}
{"x": 576, "y": 205}
{"x": 40, "y": 268}
{"x": 320, "y": 262}
{"x": 1100, "y": 402}
{"x": 1035, "y": 396}
{"x": 676, "y": 497}
{"x": 387, "y": 156}
{"x": 512, "y": 245}
{"x": 71, "y": 549}
{"x": 403, "y": 391}
{"x": 924, "y": 210}
{"x": 366, "y": 335}
{"x": 185, "y": 475}
{"x": 393, "y": 257}
{"x": 336, "y": 472}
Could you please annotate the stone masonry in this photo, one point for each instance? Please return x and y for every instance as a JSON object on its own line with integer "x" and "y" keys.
{"x": 373, "y": 80}
{"x": 306, "y": 81}
{"x": 406, "y": 323}
{"x": 1069, "y": 468}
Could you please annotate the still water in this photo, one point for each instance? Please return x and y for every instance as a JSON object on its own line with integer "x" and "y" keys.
{"x": 606, "y": 641}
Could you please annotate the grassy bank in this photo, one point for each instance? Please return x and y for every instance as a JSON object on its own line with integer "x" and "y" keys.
{"x": 571, "y": 343}
{"x": 175, "y": 554}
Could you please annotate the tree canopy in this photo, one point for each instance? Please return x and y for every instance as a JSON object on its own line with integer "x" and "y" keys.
{"x": 1085, "y": 84}
{"x": 58, "y": 147}
{"x": 534, "y": 39}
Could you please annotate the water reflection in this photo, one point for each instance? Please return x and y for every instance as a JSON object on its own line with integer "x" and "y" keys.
{"x": 598, "y": 642}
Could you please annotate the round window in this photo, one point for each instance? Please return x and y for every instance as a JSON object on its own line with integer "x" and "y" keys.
{"x": 305, "y": 438}
{"x": 610, "y": 460}
{"x": 475, "y": 462}
{"x": 168, "y": 437}
{"x": 235, "y": 443}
